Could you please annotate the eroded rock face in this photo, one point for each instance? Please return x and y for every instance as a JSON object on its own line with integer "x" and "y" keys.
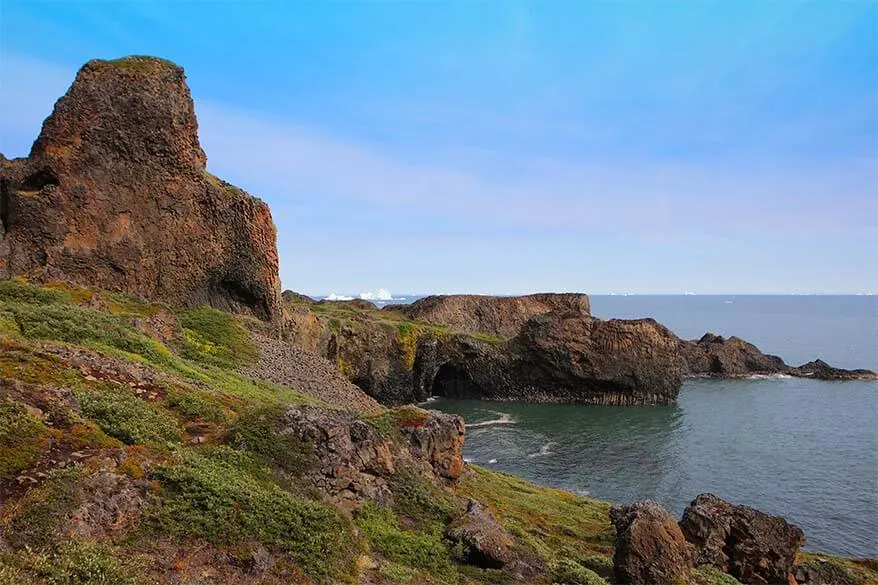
{"x": 500, "y": 316}
{"x": 750, "y": 545}
{"x": 650, "y": 547}
{"x": 115, "y": 195}
{"x": 353, "y": 462}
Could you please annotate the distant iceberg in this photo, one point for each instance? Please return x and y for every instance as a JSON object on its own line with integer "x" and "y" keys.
{"x": 335, "y": 297}
{"x": 382, "y": 294}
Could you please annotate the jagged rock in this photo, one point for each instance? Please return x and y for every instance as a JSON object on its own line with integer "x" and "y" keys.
{"x": 820, "y": 370}
{"x": 500, "y": 316}
{"x": 440, "y": 442}
{"x": 824, "y": 572}
{"x": 487, "y": 543}
{"x": 351, "y": 461}
{"x": 115, "y": 195}
{"x": 716, "y": 356}
{"x": 750, "y": 545}
{"x": 650, "y": 548}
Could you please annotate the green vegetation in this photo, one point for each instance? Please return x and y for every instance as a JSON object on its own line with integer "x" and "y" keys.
{"x": 225, "y": 496}
{"x": 216, "y": 338}
{"x": 19, "y": 291}
{"x": 572, "y": 573}
{"x": 72, "y": 563}
{"x": 389, "y": 421}
{"x": 197, "y": 405}
{"x": 21, "y": 439}
{"x": 708, "y": 575}
{"x": 421, "y": 551}
{"x": 122, "y": 415}
{"x": 552, "y": 523}
{"x": 36, "y": 519}
{"x": 488, "y": 338}
{"x": 257, "y": 431}
{"x": 140, "y": 63}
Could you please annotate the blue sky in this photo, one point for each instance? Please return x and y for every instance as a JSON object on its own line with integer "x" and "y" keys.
{"x": 510, "y": 147}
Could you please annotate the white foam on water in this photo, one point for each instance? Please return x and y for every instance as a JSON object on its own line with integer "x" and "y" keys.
{"x": 583, "y": 493}
{"x": 504, "y": 419}
{"x": 492, "y": 461}
{"x": 543, "y": 452}
{"x": 769, "y": 377}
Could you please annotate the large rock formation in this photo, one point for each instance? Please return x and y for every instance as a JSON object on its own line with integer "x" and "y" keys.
{"x": 499, "y": 316}
{"x": 718, "y": 357}
{"x": 650, "y": 548}
{"x": 753, "y": 547}
{"x": 115, "y": 195}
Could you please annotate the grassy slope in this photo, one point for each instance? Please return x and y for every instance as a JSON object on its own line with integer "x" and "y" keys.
{"x": 196, "y": 435}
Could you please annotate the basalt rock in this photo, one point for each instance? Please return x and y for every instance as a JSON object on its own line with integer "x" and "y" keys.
{"x": 486, "y": 542}
{"x": 352, "y": 462}
{"x": 718, "y": 357}
{"x": 115, "y": 195}
{"x": 650, "y": 547}
{"x": 750, "y": 545}
{"x": 499, "y": 316}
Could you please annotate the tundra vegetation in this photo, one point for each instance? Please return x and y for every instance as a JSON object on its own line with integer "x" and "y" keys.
{"x": 127, "y": 456}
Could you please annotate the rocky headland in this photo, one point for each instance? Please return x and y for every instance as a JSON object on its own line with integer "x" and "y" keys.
{"x": 168, "y": 417}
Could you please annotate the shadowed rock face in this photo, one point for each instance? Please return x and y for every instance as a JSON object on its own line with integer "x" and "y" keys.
{"x": 650, "y": 547}
{"x": 115, "y": 195}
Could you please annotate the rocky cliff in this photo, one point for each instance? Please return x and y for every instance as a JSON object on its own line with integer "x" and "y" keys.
{"x": 115, "y": 195}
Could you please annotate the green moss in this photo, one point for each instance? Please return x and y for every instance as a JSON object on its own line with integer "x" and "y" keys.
{"x": 407, "y": 336}
{"x": 553, "y": 523}
{"x": 216, "y": 338}
{"x": 425, "y": 551}
{"x": 119, "y": 303}
{"x": 389, "y": 421}
{"x": 708, "y": 575}
{"x": 21, "y": 439}
{"x": 18, "y": 362}
{"x": 122, "y": 415}
{"x": 37, "y": 518}
{"x": 84, "y": 326}
{"x": 424, "y": 504}
{"x": 488, "y": 338}
{"x": 259, "y": 430}
{"x": 196, "y": 404}
{"x": 224, "y": 496}
{"x": 572, "y": 573}
{"x": 17, "y": 290}
{"x": 397, "y": 573}
{"x": 600, "y": 564}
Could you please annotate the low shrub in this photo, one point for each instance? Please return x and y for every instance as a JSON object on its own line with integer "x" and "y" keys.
{"x": 21, "y": 439}
{"x": 224, "y": 496}
{"x": 425, "y": 551}
{"x": 258, "y": 430}
{"x": 572, "y": 573}
{"x": 216, "y": 338}
{"x": 122, "y": 415}
{"x": 37, "y": 518}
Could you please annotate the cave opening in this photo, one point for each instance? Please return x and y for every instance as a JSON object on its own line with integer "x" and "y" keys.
{"x": 454, "y": 382}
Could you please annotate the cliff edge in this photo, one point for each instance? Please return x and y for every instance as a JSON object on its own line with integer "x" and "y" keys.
{"x": 115, "y": 195}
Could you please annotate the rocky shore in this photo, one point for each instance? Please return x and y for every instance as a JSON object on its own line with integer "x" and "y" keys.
{"x": 168, "y": 417}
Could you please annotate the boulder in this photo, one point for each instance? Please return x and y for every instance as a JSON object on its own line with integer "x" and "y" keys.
{"x": 820, "y": 370}
{"x": 115, "y": 195}
{"x": 487, "y": 543}
{"x": 714, "y": 355}
{"x": 439, "y": 441}
{"x": 750, "y": 545}
{"x": 650, "y": 547}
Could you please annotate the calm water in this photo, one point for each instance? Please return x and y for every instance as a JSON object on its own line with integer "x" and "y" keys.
{"x": 805, "y": 449}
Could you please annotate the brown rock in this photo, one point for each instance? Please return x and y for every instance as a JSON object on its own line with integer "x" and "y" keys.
{"x": 115, "y": 195}
{"x": 650, "y": 548}
{"x": 109, "y": 504}
{"x": 440, "y": 442}
{"x": 753, "y": 547}
{"x": 487, "y": 543}
{"x": 500, "y": 316}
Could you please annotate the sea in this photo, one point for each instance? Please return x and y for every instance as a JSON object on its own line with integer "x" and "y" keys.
{"x": 803, "y": 449}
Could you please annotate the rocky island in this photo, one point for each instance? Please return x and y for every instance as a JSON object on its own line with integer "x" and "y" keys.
{"x": 168, "y": 416}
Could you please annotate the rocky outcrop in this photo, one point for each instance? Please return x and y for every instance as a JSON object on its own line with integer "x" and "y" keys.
{"x": 650, "y": 547}
{"x": 115, "y": 195}
{"x": 718, "y": 357}
{"x": 499, "y": 316}
{"x": 486, "y": 542}
{"x": 753, "y": 547}
{"x": 351, "y": 462}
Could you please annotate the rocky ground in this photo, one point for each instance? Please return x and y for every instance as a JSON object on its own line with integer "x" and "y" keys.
{"x": 288, "y": 365}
